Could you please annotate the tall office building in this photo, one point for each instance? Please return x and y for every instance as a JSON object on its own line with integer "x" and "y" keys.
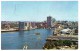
{"x": 49, "y": 21}
{"x": 21, "y": 25}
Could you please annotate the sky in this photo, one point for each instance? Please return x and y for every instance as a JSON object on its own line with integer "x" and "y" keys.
{"x": 39, "y": 10}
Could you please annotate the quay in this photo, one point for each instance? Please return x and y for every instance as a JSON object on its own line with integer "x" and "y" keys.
{"x": 11, "y": 30}
{"x": 55, "y": 38}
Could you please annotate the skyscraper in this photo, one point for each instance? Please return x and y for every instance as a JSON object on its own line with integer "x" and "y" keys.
{"x": 49, "y": 21}
{"x": 21, "y": 25}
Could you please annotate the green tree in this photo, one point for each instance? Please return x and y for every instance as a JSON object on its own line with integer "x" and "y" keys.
{"x": 67, "y": 42}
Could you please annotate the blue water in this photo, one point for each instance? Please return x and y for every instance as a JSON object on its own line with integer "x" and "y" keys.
{"x": 17, "y": 40}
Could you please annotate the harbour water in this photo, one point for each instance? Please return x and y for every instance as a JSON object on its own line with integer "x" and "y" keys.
{"x": 20, "y": 39}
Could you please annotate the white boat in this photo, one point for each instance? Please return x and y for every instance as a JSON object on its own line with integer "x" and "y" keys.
{"x": 25, "y": 47}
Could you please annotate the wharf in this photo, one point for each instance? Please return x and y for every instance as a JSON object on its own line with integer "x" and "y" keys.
{"x": 12, "y": 30}
{"x": 71, "y": 38}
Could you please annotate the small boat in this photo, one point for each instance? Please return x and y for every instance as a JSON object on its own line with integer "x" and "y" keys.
{"x": 37, "y": 33}
{"x": 25, "y": 47}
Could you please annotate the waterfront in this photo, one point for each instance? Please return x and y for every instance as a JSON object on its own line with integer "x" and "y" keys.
{"x": 39, "y": 25}
{"x": 17, "y": 40}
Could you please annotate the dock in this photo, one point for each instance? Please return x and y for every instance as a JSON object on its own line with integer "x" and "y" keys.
{"x": 71, "y": 38}
{"x": 12, "y": 30}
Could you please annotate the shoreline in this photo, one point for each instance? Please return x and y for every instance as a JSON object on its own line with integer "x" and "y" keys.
{"x": 14, "y": 30}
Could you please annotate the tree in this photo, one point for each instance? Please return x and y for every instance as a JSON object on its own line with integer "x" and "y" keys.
{"x": 67, "y": 42}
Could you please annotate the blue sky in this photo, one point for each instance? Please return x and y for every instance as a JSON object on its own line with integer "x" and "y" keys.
{"x": 38, "y": 11}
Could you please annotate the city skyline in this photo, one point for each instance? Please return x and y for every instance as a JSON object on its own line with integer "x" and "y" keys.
{"x": 39, "y": 10}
